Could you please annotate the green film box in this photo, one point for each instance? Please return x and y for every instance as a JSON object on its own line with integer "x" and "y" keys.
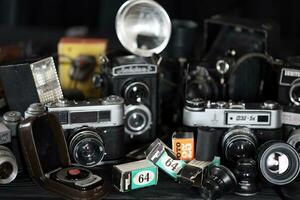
{"x": 163, "y": 157}
{"x": 134, "y": 175}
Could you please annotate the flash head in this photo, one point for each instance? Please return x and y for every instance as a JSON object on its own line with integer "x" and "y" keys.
{"x": 143, "y": 27}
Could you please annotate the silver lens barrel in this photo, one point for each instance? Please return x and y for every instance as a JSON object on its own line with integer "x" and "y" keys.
{"x": 8, "y": 166}
{"x": 138, "y": 119}
{"x": 87, "y": 148}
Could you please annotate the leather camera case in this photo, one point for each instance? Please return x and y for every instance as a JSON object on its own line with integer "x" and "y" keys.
{"x": 32, "y": 132}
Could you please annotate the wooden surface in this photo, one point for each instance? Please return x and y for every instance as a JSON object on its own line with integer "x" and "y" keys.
{"x": 25, "y": 189}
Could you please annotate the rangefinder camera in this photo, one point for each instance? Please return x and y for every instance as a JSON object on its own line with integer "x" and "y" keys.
{"x": 198, "y": 112}
{"x": 264, "y": 118}
{"x": 94, "y": 130}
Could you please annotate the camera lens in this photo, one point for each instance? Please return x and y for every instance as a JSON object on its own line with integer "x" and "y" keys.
{"x": 220, "y": 180}
{"x": 279, "y": 162}
{"x": 138, "y": 119}
{"x": 87, "y": 148}
{"x": 294, "y": 92}
{"x": 246, "y": 174}
{"x": 8, "y": 166}
{"x": 239, "y": 142}
{"x": 137, "y": 92}
{"x": 6, "y": 169}
{"x": 294, "y": 140}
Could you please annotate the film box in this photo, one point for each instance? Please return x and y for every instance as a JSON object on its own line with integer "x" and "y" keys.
{"x": 163, "y": 157}
{"x": 183, "y": 145}
{"x": 134, "y": 175}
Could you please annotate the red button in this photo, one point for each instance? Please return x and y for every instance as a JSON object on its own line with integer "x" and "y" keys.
{"x": 74, "y": 172}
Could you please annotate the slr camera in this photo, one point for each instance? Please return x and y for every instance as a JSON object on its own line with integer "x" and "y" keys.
{"x": 134, "y": 78}
{"x": 246, "y": 124}
{"x": 11, "y": 162}
{"x": 94, "y": 130}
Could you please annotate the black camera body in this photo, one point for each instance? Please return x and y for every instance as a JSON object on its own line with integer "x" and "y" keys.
{"x": 94, "y": 130}
{"x": 134, "y": 78}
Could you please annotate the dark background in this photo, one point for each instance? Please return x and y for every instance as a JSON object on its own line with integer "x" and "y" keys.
{"x": 47, "y": 21}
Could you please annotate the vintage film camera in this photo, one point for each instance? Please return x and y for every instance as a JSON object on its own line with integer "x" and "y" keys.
{"x": 289, "y": 81}
{"x": 11, "y": 162}
{"x": 135, "y": 79}
{"x": 134, "y": 75}
{"x": 94, "y": 130}
{"x": 225, "y": 62}
{"x": 246, "y": 124}
{"x": 288, "y": 96}
{"x": 49, "y": 164}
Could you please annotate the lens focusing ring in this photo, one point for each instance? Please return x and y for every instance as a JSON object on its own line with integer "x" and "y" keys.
{"x": 83, "y": 134}
{"x": 290, "y": 173}
{"x": 235, "y": 134}
{"x": 141, "y": 110}
{"x": 7, "y": 158}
